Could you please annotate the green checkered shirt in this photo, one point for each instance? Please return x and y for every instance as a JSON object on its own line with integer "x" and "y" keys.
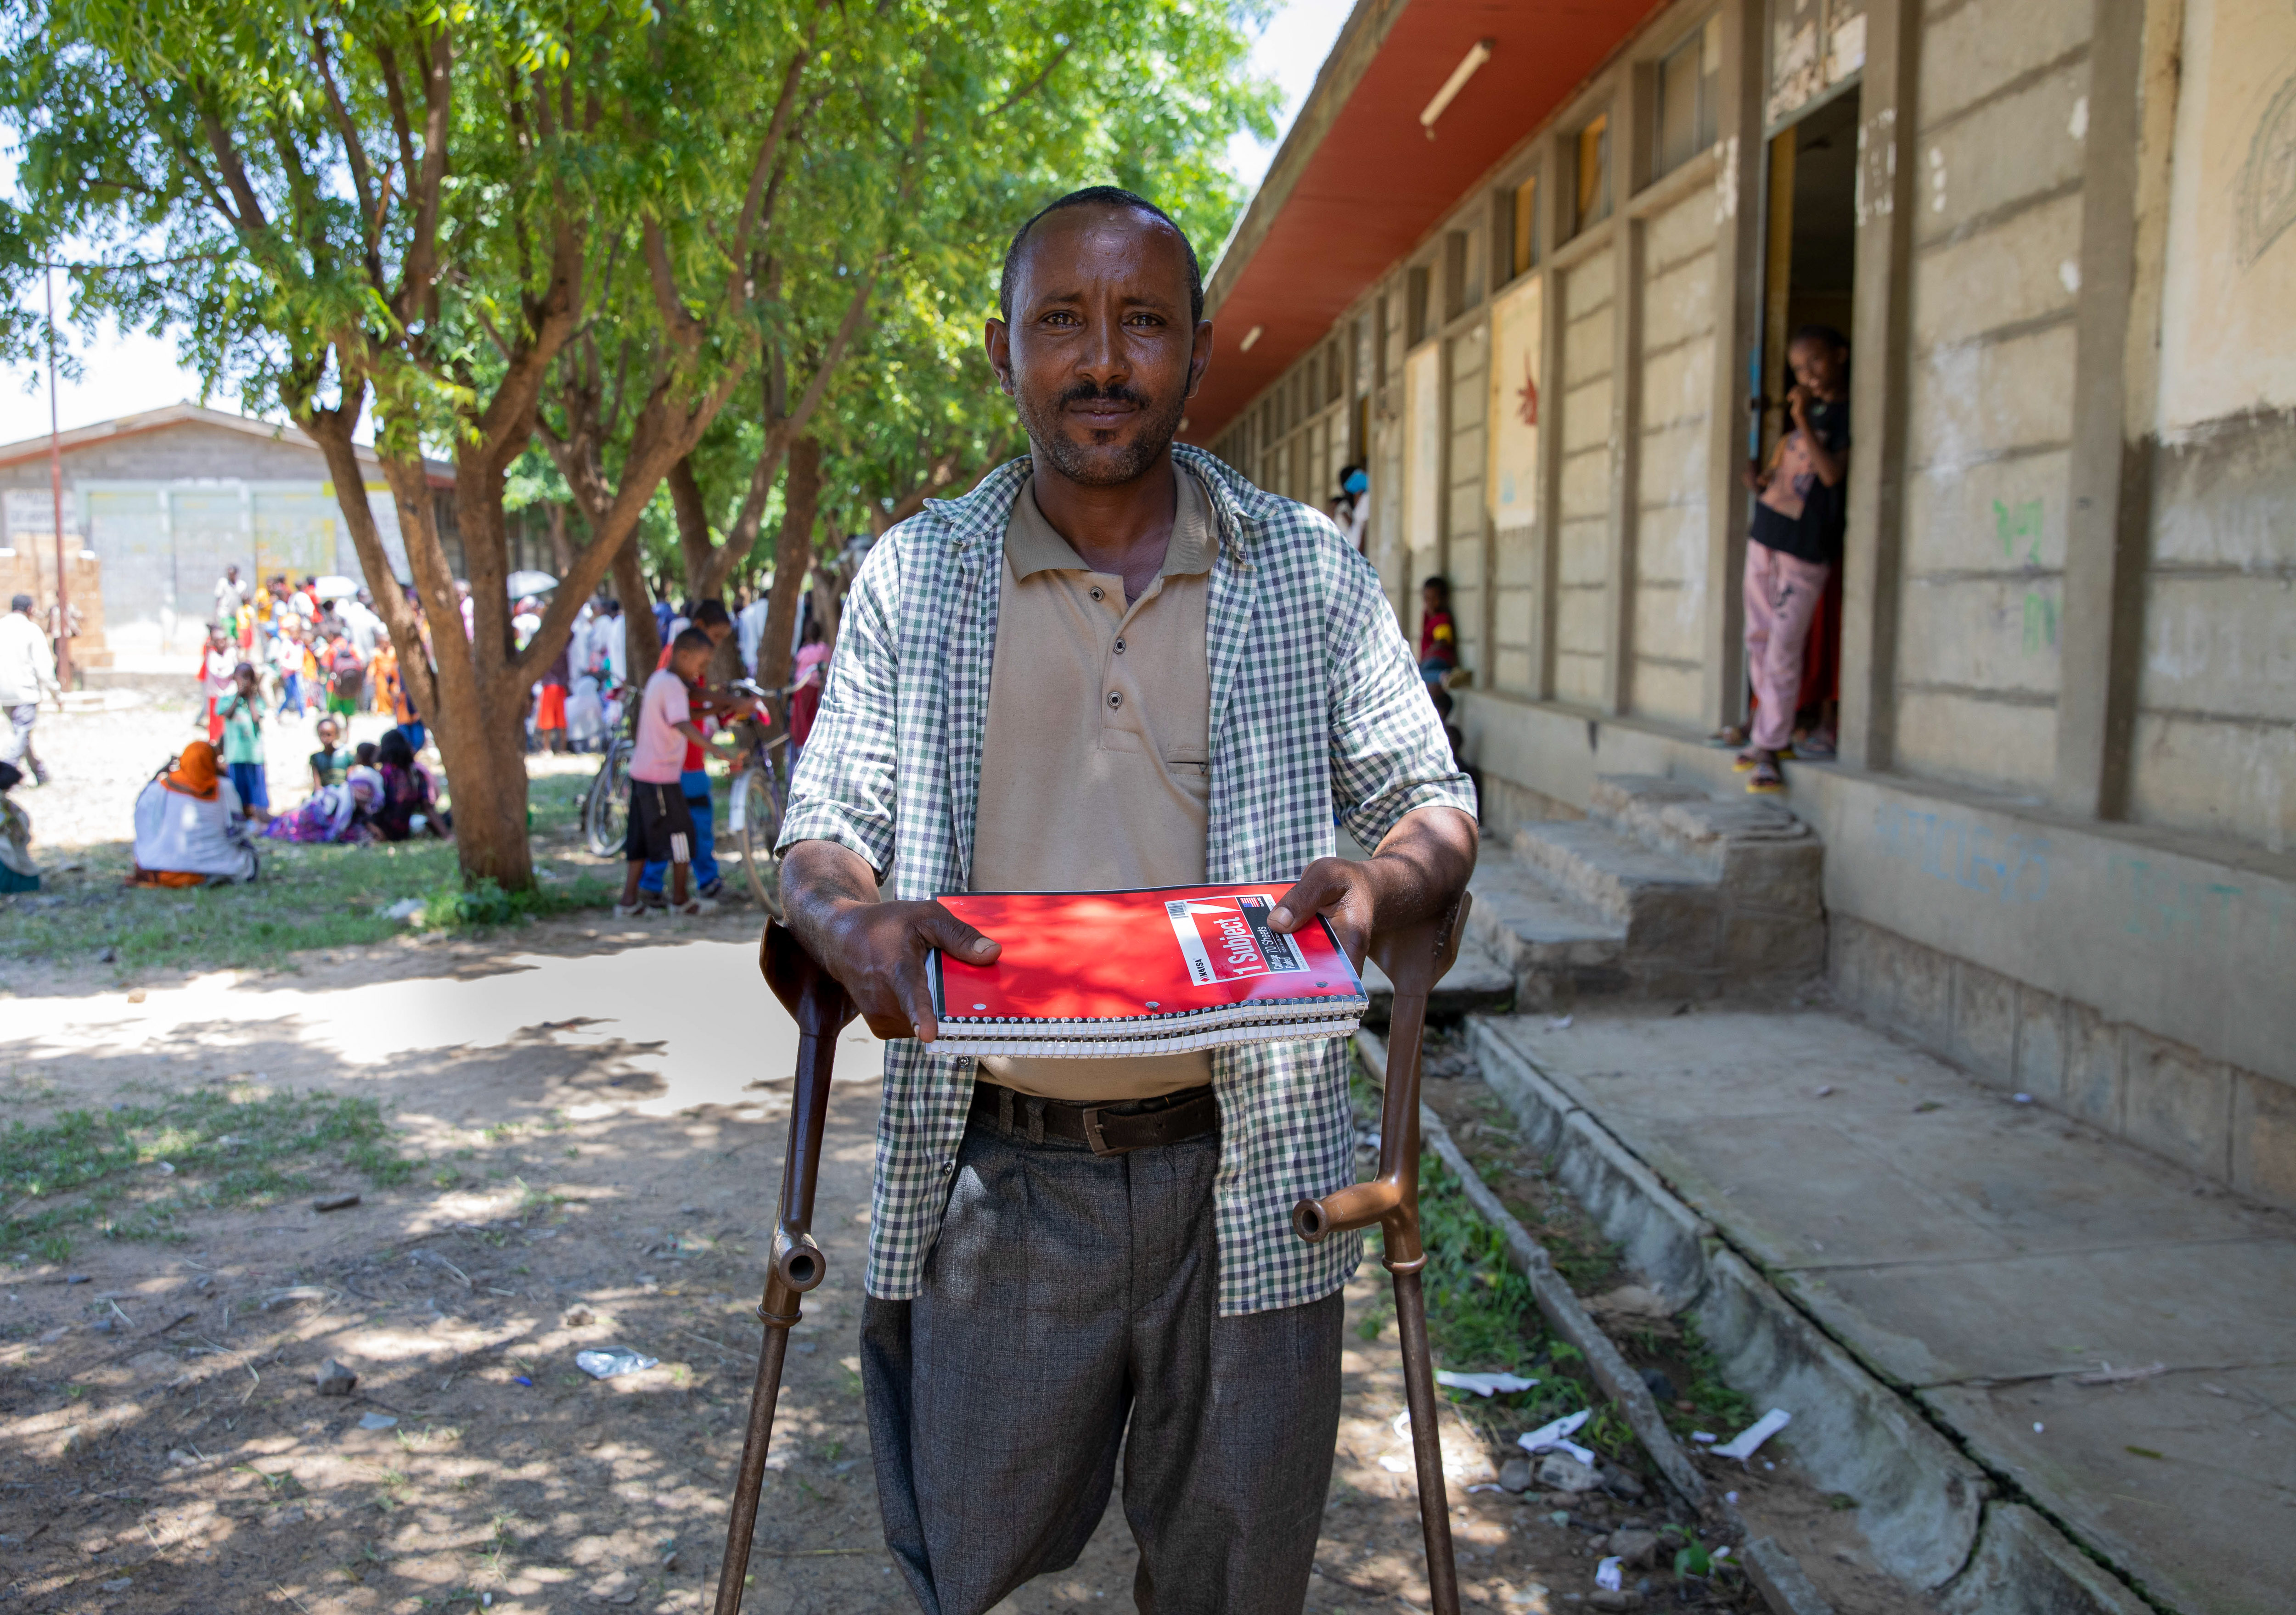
{"x": 1317, "y": 706}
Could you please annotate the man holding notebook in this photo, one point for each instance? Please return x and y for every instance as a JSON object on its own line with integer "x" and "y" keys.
{"x": 1115, "y": 664}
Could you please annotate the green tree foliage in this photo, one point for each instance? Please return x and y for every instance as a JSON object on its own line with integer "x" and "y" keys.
{"x": 592, "y": 226}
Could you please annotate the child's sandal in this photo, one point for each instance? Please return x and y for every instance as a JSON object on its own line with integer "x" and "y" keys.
{"x": 1766, "y": 779}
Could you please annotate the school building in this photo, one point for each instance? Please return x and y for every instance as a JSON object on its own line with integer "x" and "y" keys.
{"x": 1533, "y": 266}
{"x": 158, "y": 504}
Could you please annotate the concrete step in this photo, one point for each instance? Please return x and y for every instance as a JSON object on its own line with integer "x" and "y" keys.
{"x": 1669, "y": 908}
{"x": 1761, "y": 853}
{"x": 1476, "y": 984}
{"x": 1554, "y": 947}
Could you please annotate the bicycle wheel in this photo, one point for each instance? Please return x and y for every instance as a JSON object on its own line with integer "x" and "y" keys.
{"x": 758, "y": 817}
{"x": 605, "y": 808}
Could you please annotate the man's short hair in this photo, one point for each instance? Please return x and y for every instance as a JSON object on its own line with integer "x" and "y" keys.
{"x": 1100, "y": 196}
{"x": 1438, "y": 582}
{"x": 712, "y": 613}
{"x": 691, "y": 639}
{"x": 1826, "y": 334}
{"x": 20, "y": 603}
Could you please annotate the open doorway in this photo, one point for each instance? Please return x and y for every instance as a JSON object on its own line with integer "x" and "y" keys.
{"x": 1809, "y": 276}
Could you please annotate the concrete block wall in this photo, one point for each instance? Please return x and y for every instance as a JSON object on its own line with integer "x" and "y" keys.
{"x": 1468, "y": 384}
{"x": 1996, "y": 281}
{"x": 2215, "y": 744}
{"x": 2231, "y": 1126}
{"x": 1582, "y": 638}
{"x": 1668, "y": 678}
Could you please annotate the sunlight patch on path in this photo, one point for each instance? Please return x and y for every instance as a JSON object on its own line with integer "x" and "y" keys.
{"x": 693, "y": 1015}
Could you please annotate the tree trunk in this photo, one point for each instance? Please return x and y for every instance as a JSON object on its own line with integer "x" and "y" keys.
{"x": 561, "y": 547}
{"x": 640, "y": 641}
{"x": 792, "y": 559}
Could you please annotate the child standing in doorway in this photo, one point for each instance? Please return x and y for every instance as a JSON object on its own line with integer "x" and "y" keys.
{"x": 1795, "y": 542}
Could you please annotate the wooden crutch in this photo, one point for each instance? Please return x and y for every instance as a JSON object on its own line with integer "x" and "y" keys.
{"x": 1414, "y": 957}
{"x": 822, "y": 1010}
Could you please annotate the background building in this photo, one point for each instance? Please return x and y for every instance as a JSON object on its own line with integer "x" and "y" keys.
{"x": 1535, "y": 266}
{"x": 161, "y": 502}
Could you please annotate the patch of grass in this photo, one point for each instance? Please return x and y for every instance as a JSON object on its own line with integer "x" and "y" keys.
{"x": 309, "y": 896}
{"x": 227, "y": 1148}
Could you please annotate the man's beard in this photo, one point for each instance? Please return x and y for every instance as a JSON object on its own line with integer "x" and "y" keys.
{"x": 1102, "y": 465}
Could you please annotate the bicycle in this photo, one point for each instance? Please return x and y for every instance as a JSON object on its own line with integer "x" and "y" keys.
{"x": 606, "y": 804}
{"x": 760, "y": 796}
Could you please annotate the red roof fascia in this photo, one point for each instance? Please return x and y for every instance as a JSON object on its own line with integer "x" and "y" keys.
{"x": 1376, "y": 183}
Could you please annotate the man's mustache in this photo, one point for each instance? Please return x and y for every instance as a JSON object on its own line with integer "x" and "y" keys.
{"x": 1086, "y": 392}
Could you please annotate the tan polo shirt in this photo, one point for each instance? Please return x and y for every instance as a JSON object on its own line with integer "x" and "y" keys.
{"x": 1095, "y": 770}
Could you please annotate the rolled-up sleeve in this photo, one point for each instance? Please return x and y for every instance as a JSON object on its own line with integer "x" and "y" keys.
{"x": 1389, "y": 755}
{"x": 845, "y": 790}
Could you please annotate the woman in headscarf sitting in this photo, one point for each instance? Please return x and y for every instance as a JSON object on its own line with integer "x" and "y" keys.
{"x": 410, "y": 797}
{"x": 191, "y": 828}
{"x": 337, "y": 814}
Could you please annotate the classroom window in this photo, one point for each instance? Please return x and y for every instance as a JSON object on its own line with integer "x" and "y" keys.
{"x": 1594, "y": 198}
{"x": 1526, "y": 225}
{"x": 1689, "y": 89}
{"x": 1416, "y": 327}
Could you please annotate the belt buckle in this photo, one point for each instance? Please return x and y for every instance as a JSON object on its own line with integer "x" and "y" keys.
{"x": 1093, "y": 1136}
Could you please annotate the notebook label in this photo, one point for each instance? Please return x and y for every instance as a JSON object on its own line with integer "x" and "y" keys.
{"x": 1229, "y": 939}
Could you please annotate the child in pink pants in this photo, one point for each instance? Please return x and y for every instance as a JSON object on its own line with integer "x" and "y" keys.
{"x": 1794, "y": 542}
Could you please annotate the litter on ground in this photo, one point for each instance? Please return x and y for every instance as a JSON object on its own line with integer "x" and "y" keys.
{"x": 620, "y": 1360}
{"x": 1760, "y": 1431}
{"x": 1483, "y": 1384}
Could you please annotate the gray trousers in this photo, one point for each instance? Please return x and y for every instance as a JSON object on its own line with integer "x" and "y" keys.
{"x": 1069, "y": 1309}
{"x": 16, "y": 738}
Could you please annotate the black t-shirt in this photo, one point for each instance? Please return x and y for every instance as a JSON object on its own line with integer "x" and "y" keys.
{"x": 1815, "y": 534}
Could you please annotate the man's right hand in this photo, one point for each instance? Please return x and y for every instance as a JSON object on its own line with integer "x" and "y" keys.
{"x": 876, "y": 950}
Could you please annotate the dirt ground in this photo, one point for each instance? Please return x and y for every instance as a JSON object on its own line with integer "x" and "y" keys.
{"x": 594, "y": 1111}
{"x": 597, "y": 1114}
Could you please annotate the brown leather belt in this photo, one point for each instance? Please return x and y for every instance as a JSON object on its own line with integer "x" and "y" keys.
{"x": 1105, "y": 1129}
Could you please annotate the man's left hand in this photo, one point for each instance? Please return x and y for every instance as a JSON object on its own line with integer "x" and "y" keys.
{"x": 1420, "y": 869}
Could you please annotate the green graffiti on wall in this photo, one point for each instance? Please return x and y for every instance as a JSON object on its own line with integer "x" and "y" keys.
{"x": 2021, "y": 521}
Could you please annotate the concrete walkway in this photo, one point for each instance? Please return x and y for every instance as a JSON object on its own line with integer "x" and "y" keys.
{"x": 1989, "y": 1259}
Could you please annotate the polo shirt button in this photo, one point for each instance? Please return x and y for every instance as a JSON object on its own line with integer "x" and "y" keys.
{"x": 1120, "y": 647}
{"x": 1099, "y": 593}
{"x": 1115, "y": 698}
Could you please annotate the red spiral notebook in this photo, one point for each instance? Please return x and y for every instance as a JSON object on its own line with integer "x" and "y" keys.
{"x": 1094, "y": 973}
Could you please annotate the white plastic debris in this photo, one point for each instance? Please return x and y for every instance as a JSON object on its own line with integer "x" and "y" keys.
{"x": 618, "y": 1360}
{"x": 1483, "y": 1384}
{"x": 1558, "y": 1023}
{"x": 2105, "y": 1374}
{"x": 376, "y": 1421}
{"x": 1720, "y": 1553}
{"x": 406, "y": 908}
{"x": 1704, "y": 1438}
{"x": 1396, "y": 1464}
{"x": 1552, "y": 1433}
{"x": 1607, "y": 1576}
{"x": 1760, "y": 1431}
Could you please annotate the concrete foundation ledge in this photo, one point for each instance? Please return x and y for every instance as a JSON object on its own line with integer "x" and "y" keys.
{"x": 2023, "y": 1563}
{"x": 1920, "y": 1502}
{"x": 1928, "y": 1511}
{"x": 1661, "y": 1238}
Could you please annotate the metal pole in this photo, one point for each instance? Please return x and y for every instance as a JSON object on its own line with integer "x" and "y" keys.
{"x": 56, "y": 489}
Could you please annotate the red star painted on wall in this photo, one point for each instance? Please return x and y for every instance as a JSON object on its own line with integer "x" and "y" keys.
{"x": 1529, "y": 406}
